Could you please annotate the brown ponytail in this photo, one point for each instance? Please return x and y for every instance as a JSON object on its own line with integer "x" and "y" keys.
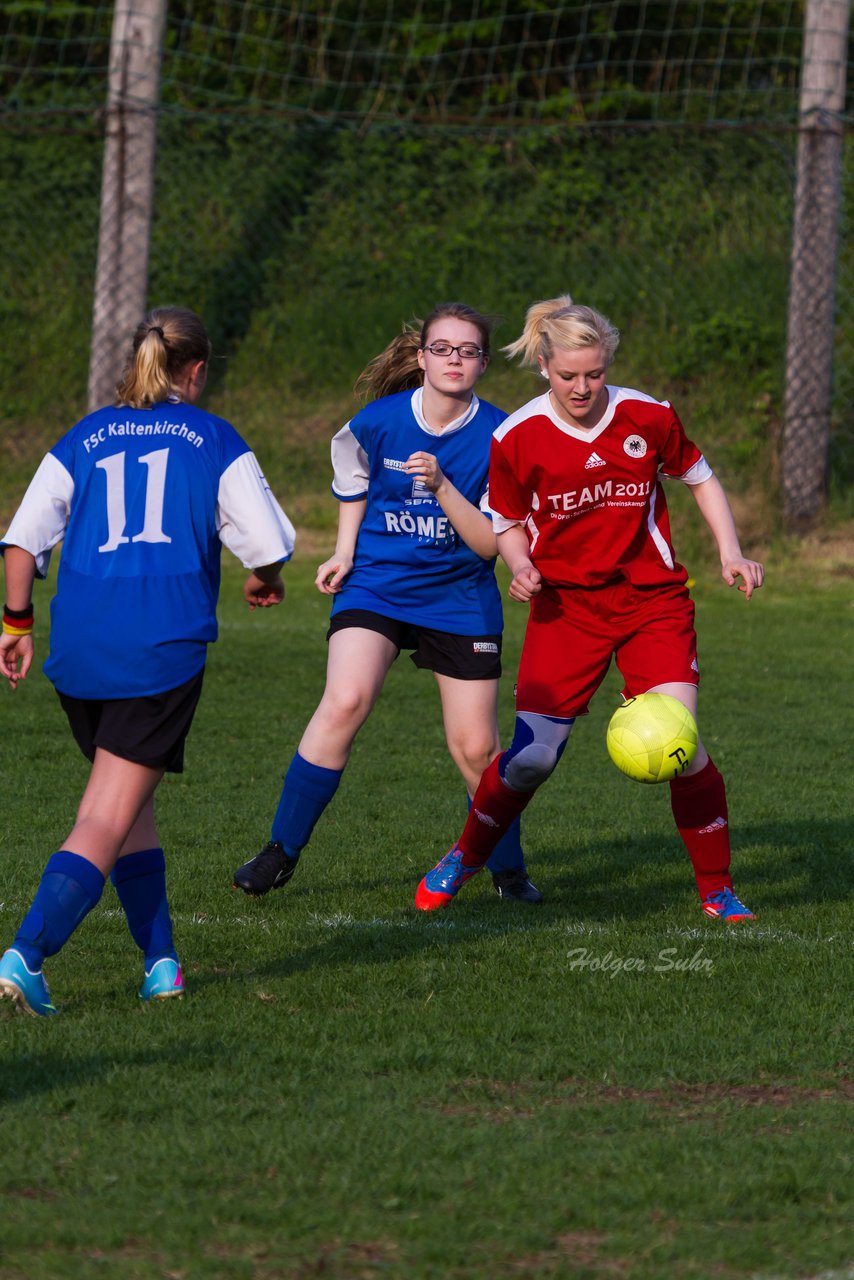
{"x": 397, "y": 368}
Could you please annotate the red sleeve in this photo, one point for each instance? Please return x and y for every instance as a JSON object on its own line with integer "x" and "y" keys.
{"x": 506, "y": 495}
{"x": 678, "y": 453}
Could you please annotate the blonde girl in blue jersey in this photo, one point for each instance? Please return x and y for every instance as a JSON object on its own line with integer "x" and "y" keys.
{"x": 142, "y": 494}
{"x": 413, "y": 568}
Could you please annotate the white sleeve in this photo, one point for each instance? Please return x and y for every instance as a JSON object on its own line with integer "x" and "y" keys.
{"x": 698, "y": 474}
{"x": 351, "y": 466}
{"x": 39, "y": 523}
{"x": 249, "y": 520}
{"x": 500, "y": 524}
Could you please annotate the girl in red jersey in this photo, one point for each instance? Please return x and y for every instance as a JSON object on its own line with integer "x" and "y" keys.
{"x": 575, "y": 482}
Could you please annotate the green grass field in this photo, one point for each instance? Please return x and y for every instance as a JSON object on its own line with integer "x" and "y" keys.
{"x": 608, "y": 1085}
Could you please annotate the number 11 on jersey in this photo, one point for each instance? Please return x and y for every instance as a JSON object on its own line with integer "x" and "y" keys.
{"x": 155, "y": 488}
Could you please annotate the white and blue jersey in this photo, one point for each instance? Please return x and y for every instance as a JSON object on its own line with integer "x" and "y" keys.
{"x": 143, "y": 499}
{"x": 410, "y": 563}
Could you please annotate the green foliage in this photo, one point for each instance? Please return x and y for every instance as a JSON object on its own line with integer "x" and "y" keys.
{"x": 384, "y": 224}
{"x": 54, "y": 55}
{"x": 306, "y": 245}
{"x": 46, "y": 286}
{"x": 383, "y": 232}
{"x": 306, "y": 248}
{"x": 732, "y": 339}
{"x": 354, "y": 59}
{"x": 235, "y": 201}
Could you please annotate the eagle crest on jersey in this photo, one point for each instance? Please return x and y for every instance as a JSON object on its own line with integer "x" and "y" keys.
{"x": 595, "y": 528}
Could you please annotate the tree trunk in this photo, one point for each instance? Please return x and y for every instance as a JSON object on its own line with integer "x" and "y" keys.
{"x": 121, "y": 281}
{"x": 809, "y": 353}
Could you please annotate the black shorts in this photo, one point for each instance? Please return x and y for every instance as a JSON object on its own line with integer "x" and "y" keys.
{"x": 445, "y": 652}
{"x": 150, "y": 730}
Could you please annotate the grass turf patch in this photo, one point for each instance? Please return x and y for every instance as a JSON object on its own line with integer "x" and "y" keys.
{"x": 606, "y": 1085}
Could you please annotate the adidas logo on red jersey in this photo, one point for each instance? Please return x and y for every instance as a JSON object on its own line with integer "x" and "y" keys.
{"x": 594, "y": 461}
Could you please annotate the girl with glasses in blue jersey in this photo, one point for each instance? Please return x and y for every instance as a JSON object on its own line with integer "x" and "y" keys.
{"x": 413, "y": 568}
{"x": 142, "y": 494}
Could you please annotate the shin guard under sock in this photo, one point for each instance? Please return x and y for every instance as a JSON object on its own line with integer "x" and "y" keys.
{"x": 507, "y": 854}
{"x": 493, "y": 810}
{"x": 700, "y": 810}
{"x": 70, "y": 887}
{"x": 140, "y": 882}
{"x": 307, "y": 791}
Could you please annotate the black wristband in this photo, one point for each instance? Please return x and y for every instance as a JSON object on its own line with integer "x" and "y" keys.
{"x": 18, "y": 613}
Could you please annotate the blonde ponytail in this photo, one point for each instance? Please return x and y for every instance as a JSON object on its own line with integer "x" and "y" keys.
{"x": 165, "y": 342}
{"x": 528, "y": 345}
{"x": 561, "y": 324}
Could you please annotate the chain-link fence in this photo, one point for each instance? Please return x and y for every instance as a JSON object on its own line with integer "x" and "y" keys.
{"x": 244, "y": 171}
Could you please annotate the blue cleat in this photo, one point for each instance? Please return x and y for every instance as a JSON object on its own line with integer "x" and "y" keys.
{"x": 726, "y": 906}
{"x": 27, "y": 990}
{"x": 441, "y": 885}
{"x": 162, "y": 981}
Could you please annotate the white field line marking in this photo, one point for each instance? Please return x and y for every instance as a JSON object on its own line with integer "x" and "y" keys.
{"x": 742, "y": 934}
{"x": 847, "y": 1273}
{"x": 746, "y": 933}
{"x": 725, "y": 935}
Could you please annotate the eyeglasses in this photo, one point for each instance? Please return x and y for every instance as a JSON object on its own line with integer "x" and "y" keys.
{"x": 467, "y": 350}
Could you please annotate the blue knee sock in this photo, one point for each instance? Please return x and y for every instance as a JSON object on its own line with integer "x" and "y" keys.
{"x": 69, "y": 889}
{"x": 307, "y": 791}
{"x": 507, "y": 854}
{"x": 140, "y": 882}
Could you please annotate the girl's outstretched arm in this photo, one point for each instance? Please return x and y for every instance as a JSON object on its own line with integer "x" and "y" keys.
{"x": 717, "y": 513}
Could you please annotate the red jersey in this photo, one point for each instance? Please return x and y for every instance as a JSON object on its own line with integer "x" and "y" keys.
{"x": 593, "y": 501}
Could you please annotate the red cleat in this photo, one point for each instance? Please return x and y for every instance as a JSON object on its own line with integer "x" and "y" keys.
{"x": 726, "y": 906}
{"x": 441, "y": 885}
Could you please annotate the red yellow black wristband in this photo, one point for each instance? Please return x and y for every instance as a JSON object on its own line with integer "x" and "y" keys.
{"x": 17, "y": 622}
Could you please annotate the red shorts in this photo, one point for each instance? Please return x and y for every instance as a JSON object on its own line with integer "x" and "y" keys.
{"x": 573, "y": 633}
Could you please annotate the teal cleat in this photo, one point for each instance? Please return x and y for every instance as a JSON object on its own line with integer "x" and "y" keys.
{"x": 27, "y": 990}
{"x": 162, "y": 981}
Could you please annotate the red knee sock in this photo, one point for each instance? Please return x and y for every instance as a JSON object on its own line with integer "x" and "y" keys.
{"x": 493, "y": 809}
{"x": 700, "y": 809}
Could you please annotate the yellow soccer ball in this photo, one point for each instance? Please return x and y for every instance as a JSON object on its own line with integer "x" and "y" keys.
{"x": 652, "y": 738}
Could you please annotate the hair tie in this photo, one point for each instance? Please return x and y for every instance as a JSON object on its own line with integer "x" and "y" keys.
{"x": 155, "y": 328}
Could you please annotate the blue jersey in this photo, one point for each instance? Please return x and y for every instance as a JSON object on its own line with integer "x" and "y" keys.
{"x": 143, "y": 499}
{"x": 410, "y": 563}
